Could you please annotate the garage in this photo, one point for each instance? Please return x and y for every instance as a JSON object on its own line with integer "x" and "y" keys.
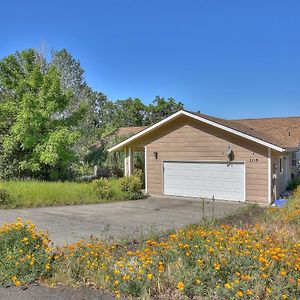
{"x": 186, "y": 154}
{"x": 205, "y": 179}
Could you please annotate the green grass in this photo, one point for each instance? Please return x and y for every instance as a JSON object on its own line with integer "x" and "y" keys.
{"x": 27, "y": 193}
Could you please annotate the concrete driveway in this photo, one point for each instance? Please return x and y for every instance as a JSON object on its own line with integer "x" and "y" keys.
{"x": 119, "y": 220}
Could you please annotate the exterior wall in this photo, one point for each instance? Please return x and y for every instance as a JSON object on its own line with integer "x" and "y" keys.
{"x": 185, "y": 139}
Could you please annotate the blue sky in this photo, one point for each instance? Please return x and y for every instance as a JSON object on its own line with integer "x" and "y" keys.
{"x": 228, "y": 58}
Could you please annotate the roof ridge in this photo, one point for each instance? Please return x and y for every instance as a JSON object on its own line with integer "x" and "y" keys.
{"x": 265, "y": 118}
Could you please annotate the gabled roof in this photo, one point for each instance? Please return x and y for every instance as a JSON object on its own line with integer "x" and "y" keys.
{"x": 268, "y": 138}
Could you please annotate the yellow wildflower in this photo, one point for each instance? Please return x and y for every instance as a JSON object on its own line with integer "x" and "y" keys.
{"x": 180, "y": 285}
{"x": 240, "y": 293}
{"x": 227, "y": 286}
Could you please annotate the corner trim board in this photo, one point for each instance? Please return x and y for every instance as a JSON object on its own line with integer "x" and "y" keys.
{"x": 269, "y": 176}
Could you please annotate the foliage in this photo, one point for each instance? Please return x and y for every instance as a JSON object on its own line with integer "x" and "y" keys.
{"x": 31, "y": 193}
{"x": 293, "y": 183}
{"x": 289, "y": 214}
{"x": 103, "y": 188}
{"x": 132, "y": 186}
{"x": 49, "y": 117}
{"x": 129, "y": 112}
{"x": 161, "y": 109}
{"x": 132, "y": 112}
{"x": 72, "y": 79}
{"x": 96, "y": 156}
{"x": 138, "y": 172}
{"x": 40, "y": 134}
{"x": 25, "y": 254}
{"x": 5, "y": 198}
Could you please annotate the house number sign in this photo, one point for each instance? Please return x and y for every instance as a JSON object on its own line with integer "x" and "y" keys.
{"x": 253, "y": 159}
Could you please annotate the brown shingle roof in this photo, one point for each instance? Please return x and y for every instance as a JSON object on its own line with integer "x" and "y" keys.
{"x": 282, "y": 132}
{"x": 120, "y": 132}
{"x": 285, "y": 129}
{"x": 127, "y": 130}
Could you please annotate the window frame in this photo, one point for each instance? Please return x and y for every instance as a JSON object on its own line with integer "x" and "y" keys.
{"x": 281, "y": 165}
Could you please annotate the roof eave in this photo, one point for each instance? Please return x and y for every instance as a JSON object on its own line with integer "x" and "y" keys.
{"x": 291, "y": 149}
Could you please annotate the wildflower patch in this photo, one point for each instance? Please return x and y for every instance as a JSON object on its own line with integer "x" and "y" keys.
{"x": 25, "y": 253}
{"x": 209, "y": 261}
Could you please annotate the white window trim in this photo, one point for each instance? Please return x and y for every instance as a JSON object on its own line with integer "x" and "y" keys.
{"x": 281, "y": 168}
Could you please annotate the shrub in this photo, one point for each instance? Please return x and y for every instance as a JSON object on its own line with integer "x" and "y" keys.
{"x": 5, "y": 198}
{"x": 103, "y": 188}
{"x": 141, "y": 174}
{"x": 293, "y": 184}
{"x": 25, "y": 255}
{"x": 132, "y": 186}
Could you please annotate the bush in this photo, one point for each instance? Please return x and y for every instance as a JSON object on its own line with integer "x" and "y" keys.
{"x": 293, "y": 184}
{"x": 5, "y": 198}
{"x": 25, "y": 255}
{"x": 103, "y": 188}
{"x": 132, "y": 186}
{"x": 141, "y": 174}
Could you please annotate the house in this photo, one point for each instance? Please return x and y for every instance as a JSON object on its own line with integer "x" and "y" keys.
{"x": 195, "y": 155}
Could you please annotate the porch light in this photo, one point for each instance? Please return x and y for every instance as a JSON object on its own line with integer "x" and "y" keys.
{"x": 155, "y": 154}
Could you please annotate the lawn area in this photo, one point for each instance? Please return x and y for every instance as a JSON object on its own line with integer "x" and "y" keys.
{"x": 29, "y": 193}
{"x": 255, "y": 259}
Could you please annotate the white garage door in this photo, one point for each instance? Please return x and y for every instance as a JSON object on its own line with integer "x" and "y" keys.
{"x": 205, "y": 179}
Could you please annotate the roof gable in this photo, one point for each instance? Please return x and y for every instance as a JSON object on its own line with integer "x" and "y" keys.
{"x": 236, "y": 127}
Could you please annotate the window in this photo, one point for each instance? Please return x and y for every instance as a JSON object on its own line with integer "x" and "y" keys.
{"x": 294, "y": 159}
{"x": 280, "y": 165}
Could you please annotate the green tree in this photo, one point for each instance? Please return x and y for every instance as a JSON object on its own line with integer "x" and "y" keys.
{"x": 129, "y": 112}
{"x": 161, "y": 108}
{"x": 72, "y": 79}
{"x": 40, "y": 131}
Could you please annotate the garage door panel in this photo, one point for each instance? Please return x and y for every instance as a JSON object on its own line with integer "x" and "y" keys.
{"x": 205, "y": 179}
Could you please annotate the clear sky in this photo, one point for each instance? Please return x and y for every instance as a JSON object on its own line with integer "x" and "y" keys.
{"x": 228, "y": 58}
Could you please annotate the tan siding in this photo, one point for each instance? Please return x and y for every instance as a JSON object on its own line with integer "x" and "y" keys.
{"x": 186, "y": 139}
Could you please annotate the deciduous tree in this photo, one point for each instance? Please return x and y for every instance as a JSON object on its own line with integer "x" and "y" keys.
{"x": 39, "y": 134}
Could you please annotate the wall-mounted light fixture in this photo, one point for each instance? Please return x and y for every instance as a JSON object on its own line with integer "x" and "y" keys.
{"x": 155, "y": 154}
